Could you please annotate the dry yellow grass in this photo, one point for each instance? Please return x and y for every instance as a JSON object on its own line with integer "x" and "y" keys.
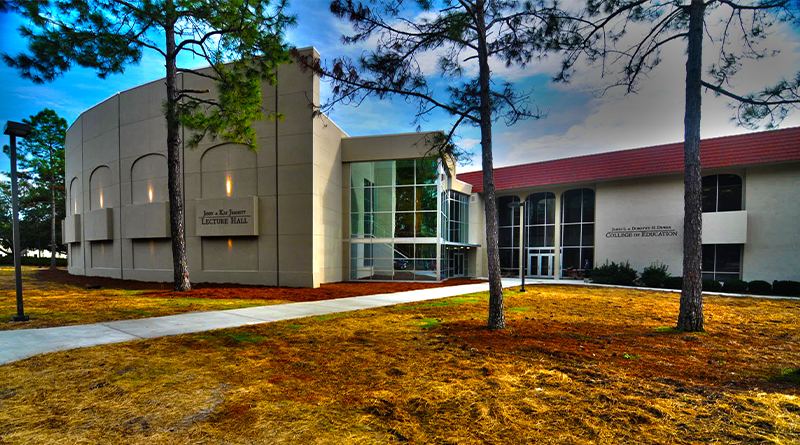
{"x": 429, "y": 373}
{"x": 53, "y": 304}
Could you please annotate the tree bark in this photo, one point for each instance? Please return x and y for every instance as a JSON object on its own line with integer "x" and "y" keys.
{"x": 497, "y": 319}
{"x": 179, "y": 263}
{"x": 52, "y": 216}
{"x": 690, "y": 318}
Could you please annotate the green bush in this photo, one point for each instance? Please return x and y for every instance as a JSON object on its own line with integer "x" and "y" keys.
{"x": 621, "y": 274}
{"x": 655, "y": 275}
{"x": 759, "y": 287}
{"x": 735, "y": 286}
{"x": 786, "y": 288}
{"x": 712, "y": 286}
{"x": 673, "y": 283}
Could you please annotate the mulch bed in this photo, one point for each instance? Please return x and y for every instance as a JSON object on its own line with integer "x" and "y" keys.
{"x": 326, "y": 291}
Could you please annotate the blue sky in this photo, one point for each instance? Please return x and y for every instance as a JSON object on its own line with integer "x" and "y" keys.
{"x": 578, "y": 121}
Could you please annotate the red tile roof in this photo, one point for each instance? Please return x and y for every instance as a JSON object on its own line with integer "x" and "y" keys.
{"x": 747, "y": 149}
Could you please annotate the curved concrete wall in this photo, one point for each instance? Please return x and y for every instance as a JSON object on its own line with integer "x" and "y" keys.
{"x": 116, "y": 179}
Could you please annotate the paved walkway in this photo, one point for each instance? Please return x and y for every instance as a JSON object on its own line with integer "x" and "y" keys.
{"x": 24, "y": 343}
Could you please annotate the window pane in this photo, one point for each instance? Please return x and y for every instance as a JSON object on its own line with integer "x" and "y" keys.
{"x": 587, "y": 254}
{"x": 572, "y": 206}
{"x": 730, "y": 198}
{"x": 384, "y": 199}
{"x": 405, "y": 199}
{"x": 588, "y": 205}
{"x": 384, "y": 173}
{"x": 357, "y": 224}
{"x": 588, "y": 235}
{"x": 536, "y": 235}
{"x": 506, "y": 215}
{"x": 405, "y": 172}
{"x": 382, "y": 250}
{"x": 505, "y": 258}
{"x": 572, "y": 258}
{"x": 369, "y": 225}
{"x": 426, "y": 198}
{"x": 382, "y": 225}
{"x": 404, "y": 251}
{"x": 356, "y": 200}
{"x": 360, "y": 171}
{"x": 571, "y": 235}
{"x": 708, "y": 257}
{"x": 425, "y": 251}
{"x": 404, "y": 225}
{"x": 426, "y": 171}
{"x": 551, "y": 209}
{"x": 709, "y": 195}
{"x": 730, "y": 181}
{"x": 551, "y": 239}
{"x": 426, "y": 224}
{"x": 728, "y": 258}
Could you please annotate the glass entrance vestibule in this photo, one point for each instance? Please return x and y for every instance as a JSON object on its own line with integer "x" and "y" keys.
{"x": 546, "y": 255}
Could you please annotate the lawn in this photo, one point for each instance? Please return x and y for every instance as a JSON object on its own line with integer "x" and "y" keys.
{"x": 55, "y": 298}
{"x": 577, "y": 365}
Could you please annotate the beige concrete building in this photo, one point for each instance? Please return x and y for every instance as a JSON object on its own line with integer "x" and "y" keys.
{"x": 313, "y": 205}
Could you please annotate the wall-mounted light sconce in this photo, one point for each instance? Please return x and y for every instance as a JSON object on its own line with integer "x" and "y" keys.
{"x": 150, "y": 192}
{"x": 75, "y": 212}
{"x": 228, "y": 185}
{"x": 101, "y": 198}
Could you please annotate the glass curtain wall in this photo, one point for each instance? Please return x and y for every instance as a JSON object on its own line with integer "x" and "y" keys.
{"x": 577, "y": 229}
{"x": 540, "y": 230}
{"x": 455, "y": 216}
{"x": 394, "y": 219}
{"x": 508, "y": 225}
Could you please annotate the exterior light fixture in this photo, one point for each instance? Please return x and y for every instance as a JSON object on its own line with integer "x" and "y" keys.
{"x": 75, "y": 212}
{"x": 15, "y": 130}
{"x": 101, "y": 198}
{"x": 150, "y": 193}
{"x": 228, "y": 185}
{"x": 521, "y": 205}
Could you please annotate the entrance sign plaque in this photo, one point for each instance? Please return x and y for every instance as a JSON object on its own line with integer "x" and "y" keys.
{"x": 227, "y": 216}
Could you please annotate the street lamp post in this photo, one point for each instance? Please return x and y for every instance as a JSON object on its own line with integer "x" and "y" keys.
{"x": 14, "y": 129}
{"x": 521, "y": 206}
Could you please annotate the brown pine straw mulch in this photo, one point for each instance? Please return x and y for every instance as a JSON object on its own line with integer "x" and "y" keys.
{"x": 327, "y": 291}
{"x": 576, "y": 365}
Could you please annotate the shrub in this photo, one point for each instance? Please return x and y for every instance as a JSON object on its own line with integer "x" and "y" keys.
{"x": 712, "y": 286}
{"x": 735, "y": 286}
{"x": 621, "y": 274}
{"x": 759, "y": 287}
{"x": 655, "y": 275}
{"x": 673, "y": 283}
{"x": 786, "y": 288}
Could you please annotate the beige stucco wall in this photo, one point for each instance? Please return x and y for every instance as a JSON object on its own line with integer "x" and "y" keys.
{"x": 653, "y": 202}
{"x": 772, "y": 251}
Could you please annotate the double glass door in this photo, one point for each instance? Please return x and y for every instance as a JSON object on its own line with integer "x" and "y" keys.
{"x": 540, "y": 264}
{"x": 458, "y": 264}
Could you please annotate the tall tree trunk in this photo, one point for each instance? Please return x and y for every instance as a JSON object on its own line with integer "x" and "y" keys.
{"x": 497, "y": 319}
{"x": 52, "y": 216}
{"x": 179, "y": 264}
{"x": 690, "y": 318}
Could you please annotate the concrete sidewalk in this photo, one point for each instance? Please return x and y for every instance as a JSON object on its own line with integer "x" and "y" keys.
{"x": 20, "y": 344}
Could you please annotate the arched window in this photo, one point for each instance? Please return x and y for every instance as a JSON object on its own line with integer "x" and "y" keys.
{"x": 508, "y": 227}
{"x": 722, "y": 193}
{"x": 577, "y": 228}
{"x": 540, "y": 209}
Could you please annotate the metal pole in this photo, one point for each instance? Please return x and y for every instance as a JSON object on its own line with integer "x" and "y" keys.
{"x": 522, "y": 247}
{"x": 15, "y": 212}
